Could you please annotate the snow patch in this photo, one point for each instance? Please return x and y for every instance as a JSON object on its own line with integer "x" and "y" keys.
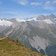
{"x": 48, "y": 21}
{"x": 24, "y": 20}
{"x": 5, "y": 23}
{"x": 34, "y": 18}
{"x": 20, "y": 20}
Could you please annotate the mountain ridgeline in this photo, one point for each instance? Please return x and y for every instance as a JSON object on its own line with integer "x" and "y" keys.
{"x": 38, "y": 33}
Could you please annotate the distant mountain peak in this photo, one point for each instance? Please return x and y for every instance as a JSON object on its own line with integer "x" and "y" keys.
{"x": 5, "y": 23}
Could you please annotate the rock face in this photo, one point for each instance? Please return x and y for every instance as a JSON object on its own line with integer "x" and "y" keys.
{"x": 38, "y": 32}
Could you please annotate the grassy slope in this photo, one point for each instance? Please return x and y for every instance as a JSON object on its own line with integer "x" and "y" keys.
{"x": 12, "y": 48}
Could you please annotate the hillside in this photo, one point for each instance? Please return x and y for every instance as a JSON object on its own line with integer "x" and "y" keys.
{"x": 38, "y": 32}
{"x": 13, "y": 48}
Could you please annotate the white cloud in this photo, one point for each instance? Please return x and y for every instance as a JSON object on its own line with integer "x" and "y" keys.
{"x": 23, "y": 2}
{"x": 49, "y": 8}
{"x": 50, "y": 3}
{"x": 54, "y": 2}
{"x": 47, "y": 3}
{"x": 35, "y": 3}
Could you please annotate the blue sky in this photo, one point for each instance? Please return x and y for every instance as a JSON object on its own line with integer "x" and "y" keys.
{"x": 26, "y": 8}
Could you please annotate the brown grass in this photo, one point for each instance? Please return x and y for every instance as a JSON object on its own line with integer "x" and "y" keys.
{"x": 12, "y": 48}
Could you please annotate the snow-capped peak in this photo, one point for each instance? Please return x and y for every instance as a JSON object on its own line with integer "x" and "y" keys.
{"x": 24, "y": 20}
{"x": 34, "y": 18}
{"x": 20, "y": 20}
{"x": 5, "y": 23}
{"x": 48, "y": 21}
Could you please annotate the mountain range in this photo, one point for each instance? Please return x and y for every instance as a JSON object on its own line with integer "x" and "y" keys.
{"x": 38, "y": 33}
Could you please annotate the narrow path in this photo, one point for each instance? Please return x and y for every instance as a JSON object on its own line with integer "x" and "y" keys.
{"x": 3, "y": 38}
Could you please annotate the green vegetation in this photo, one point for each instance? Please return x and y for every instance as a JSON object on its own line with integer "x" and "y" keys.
{"x": 45, "y": 55}
{"x": 14, "y": 48}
